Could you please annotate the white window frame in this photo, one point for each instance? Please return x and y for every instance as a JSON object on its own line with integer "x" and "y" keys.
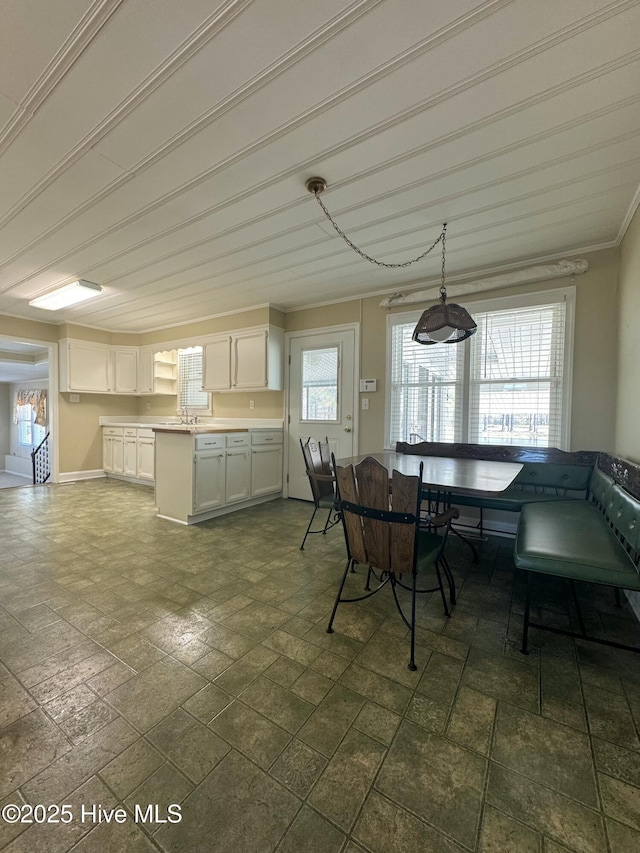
{"x": 31, "y": 420}
{"x": 499, "y": 303}
{"x": 204, "y": 409}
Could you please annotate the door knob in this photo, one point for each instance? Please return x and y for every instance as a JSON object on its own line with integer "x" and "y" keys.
{"x": 347, "y": 417}
{"x": 347, "y": 429}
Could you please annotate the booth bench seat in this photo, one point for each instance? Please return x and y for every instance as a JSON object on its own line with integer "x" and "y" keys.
{"x": 596, "y": 540}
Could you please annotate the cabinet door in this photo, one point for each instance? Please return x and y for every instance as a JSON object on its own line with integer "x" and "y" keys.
{"x": 145, "y": 371}
{"x": 107, "y": 454}
{"x": 238, "y": 486}
{"x": 88, "y": 367}
{"x": 146, "y": 459}
{"x": 250, "y": 360}
{"x": 117, "y": 458}
{"x": 125, "y": 371}
{"x": 129, "y": 464}
{"x": 209, "y": 491}
{"x": 266, "y": 470}
{"x": 216, "y": 365}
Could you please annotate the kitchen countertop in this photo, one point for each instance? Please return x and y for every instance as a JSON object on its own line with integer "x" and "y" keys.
{"x": 210, "y": 425}
{"x": 196, "y": 429}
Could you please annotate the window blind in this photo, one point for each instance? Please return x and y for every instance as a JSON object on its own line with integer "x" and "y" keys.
{"x": 190, "y": 393}
{"x": 516, "y": 378}
{"x": 509, "y": 383}
{"x": 426, "y": 389}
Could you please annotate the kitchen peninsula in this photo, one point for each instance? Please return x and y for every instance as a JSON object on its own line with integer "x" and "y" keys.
{"x": 203, "y": 471}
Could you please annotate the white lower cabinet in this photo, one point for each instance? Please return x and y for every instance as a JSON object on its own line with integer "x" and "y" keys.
{"x": 128, "y": 452}
{"x": 266, "y": 470}
{"x": 145, "y": 462}
{"x": 206, "y": 475}
{"x": 238, "y": 466}
{"x": 209, "y": 480}
{"x": 113, "y": 450}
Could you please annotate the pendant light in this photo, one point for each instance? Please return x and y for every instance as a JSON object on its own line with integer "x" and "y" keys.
{"x": 444, "y": 323}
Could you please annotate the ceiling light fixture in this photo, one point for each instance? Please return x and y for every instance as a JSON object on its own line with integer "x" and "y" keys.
{"x": 444, "y": 323}
{"x": 68, "y": 294}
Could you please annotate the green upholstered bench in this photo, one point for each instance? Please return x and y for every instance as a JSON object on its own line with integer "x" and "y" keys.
{"x": 596, "y": 540}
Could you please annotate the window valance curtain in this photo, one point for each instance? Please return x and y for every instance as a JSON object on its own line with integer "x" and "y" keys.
{"x": 37, "y": 399}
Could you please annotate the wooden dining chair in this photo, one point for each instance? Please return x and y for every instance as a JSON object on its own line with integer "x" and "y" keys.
{"x": 383, "y": 532}
{"x": 317, "y": 461}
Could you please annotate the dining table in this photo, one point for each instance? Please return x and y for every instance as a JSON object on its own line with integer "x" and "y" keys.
{"x": 446, "y": 474}
{"x": 442, "y": 476}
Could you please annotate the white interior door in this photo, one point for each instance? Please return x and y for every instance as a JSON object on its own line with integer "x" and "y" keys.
{"x": 322, "y": 399}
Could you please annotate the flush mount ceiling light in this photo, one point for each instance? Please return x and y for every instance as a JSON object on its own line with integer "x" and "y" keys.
{"x": 442, "y": 323}
{"x": 68, "y": 294}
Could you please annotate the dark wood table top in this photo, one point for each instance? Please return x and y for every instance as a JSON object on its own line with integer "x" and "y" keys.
{"x": 443, "y": 473}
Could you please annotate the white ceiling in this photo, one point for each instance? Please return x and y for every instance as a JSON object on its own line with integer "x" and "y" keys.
{"x": 161, "y": 148}
{"x": 20, "y": 362}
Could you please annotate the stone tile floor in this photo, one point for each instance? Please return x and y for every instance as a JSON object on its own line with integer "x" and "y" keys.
{"x": 147, "y": 663}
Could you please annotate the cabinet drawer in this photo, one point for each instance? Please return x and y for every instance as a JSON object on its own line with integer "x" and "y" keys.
{"x": 275, "y": 437}
{"x": 112, "y": 431}
{"x": 130, "y": 432}
{"x": 209, "y": 442}
{"x": 146, "y": 433}
{"x": 238, "y": 440}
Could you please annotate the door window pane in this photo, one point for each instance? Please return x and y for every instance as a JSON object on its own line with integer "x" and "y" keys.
{"x": 320, "y": 384}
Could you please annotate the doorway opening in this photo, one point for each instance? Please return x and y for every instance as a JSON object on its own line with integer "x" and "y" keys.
{"x": 25, "y": 413}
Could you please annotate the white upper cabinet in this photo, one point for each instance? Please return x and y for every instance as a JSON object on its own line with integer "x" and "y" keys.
{"x": 125, "y": 370}
{"x": 85, "y": 366}
{"x": 249, "y": 360}
{"x": 216, "y": 364}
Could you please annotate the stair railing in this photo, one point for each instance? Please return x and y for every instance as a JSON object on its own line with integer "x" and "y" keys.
{"x": 40, "y": 462}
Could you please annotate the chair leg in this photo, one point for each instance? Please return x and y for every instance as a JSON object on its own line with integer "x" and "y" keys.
{"x": 450, "y": 580}
{"x": 313, "y": 515}
{"x": 444, "y": 599}
{"x": 326, "y": 524}
{"x": 349, "y": 565}
{"x": 525, "y": 621}
{"x": 412, "y": 661}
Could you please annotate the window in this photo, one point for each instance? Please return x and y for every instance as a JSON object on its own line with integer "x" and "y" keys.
{"x": 190, "y": 393}
{"x": 320, "y": 384}
{"x": 30, "y": 434}
{"x": 508, "y": 384}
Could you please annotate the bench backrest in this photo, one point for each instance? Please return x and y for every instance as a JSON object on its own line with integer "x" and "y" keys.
{"x": 623, "y": 514}
{"x": 561, "y": 478}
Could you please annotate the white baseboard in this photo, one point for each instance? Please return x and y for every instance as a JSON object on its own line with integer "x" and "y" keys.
{"x": 72, "y": 476}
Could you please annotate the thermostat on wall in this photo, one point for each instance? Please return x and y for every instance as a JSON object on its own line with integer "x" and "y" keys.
{"x": 368, "y": 384}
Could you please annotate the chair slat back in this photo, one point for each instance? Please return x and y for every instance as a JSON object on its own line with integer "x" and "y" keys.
{"x": 373, "y": 491}
{"x": 346, "y": 482}
{"x": 405, "y": 497}
{"x": 317, "y": 460}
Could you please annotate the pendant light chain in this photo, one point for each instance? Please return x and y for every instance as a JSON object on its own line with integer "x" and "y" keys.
{"x": 443, "y": 237}
{"x": 362, "y": 254}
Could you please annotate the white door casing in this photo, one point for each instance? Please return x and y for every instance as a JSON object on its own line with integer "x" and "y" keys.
{"x": 322, "y": 398}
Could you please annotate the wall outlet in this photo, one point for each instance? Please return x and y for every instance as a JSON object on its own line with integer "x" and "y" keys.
{"x": 364, "y": 402}
{"x": 252, "y": 405}
{"x": 74, "y": 398}
{"x": 147, "y": 406}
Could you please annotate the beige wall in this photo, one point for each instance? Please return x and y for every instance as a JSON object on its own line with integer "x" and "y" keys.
{"x": 80, "y": 444}
{"x": 594, "y": 379}
{"x": 595, "y": 362}
{"x": 627, "y": 423}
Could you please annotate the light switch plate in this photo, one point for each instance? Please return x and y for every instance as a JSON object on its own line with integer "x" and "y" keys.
{"x": 74, "y": 398}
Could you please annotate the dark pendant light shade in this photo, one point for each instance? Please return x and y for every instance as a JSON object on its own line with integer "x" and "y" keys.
{"x": 444, "y": 323}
